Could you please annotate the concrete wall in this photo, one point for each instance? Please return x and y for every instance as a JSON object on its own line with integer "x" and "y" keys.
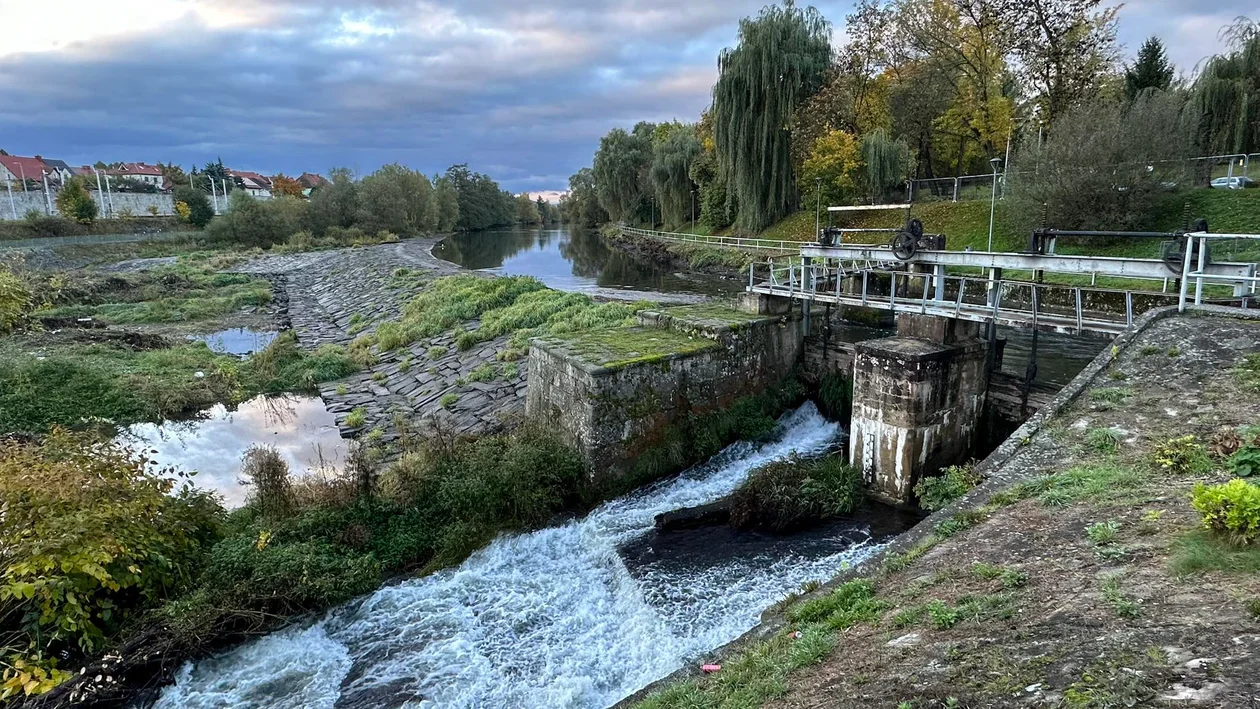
{"x": 614, "y": 415}
{"x": 137, "y": 202}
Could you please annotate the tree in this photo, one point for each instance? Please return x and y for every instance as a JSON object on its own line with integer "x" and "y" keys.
{"x": 526, "y": 210}
{"x": 255, "y": 223}
{"x": 582, "y": 202}
{"x": 546, "y": 213}
{"x": 780, "y": 61}
{"x": 620, "y": 164}
{"x": 281, "y": 184}
{"x": 1064, "y": 48}
{"x": 447, "y": 201}
{"x": 174, "y": 174}
{"x": 885, "y": 164}
{"x": 1105, "y": 165}
{"x": 670, "y": 174}
{"x": 396, "y": 199}
{"x": 200, "y": 212}
{"x": 74, "y": 202}
{"x": 482, "y": 204}
{"x": 1152, "y": 70}
{"x": 827, "y": 176}
{"x": 1227, "y": 94}
{"x": 335, "y": 204}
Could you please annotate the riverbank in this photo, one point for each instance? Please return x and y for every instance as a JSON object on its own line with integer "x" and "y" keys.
{"x": 1076, "y": 575}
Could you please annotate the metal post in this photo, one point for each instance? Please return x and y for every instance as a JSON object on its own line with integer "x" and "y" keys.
{"x": 47, "y": 196}
{"x": 940, "y": 282}
{"x": 992, "y": 200}
{"x": 214, "y": 195}
{"x": 750, "y": 274}
{"x": 1078, "y": 311}
{"x": 100, "y": 194}
{"x": 817, "y": 206}
{"x": 1128, "y": 308}
{"x": 1185, "y": 273}
{"x": 109, "y": 192}
{"x": 8, "y": 183}
{"x": 955, "y": 189}
{"x": 865, "y": 274}
{"x": 1198, "y": 286}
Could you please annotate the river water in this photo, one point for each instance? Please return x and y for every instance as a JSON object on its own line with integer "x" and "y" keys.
{"x": 571, "y": 259}
{"x": 575, "y": 616}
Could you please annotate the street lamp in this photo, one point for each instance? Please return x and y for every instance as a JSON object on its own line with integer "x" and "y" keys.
{"x": 817, "y": 206}
{"x": 693, "y": 210}
{"x": 993, "y": 199}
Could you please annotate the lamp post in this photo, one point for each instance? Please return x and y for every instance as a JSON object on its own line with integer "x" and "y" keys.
{"x": 993, "y": 199}
{"x": 817, "y": 206}
{"x": 693, "y": 209}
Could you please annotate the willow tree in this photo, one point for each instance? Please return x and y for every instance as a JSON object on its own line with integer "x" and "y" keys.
{"x": 885, "y": 164}
{"x": 621, "y": 163}
{"x": 671, "y": 178}
{"x": 1228, "y": 94}
{"x": 781, "y": 60}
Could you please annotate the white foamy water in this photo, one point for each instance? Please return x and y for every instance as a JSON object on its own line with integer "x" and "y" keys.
{"x": 552, "y": 618}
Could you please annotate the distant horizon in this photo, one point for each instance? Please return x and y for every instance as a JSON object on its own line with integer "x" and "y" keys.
{"x": 522, "y": 95}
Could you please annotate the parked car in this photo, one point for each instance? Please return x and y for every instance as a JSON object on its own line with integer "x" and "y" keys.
{"x": 1233, "y": 183}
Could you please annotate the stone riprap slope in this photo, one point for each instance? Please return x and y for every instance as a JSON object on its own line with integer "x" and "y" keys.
{"x": 336, "y": 296}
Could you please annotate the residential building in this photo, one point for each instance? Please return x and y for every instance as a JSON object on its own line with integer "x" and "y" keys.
{"x": 142, "y": 172}
{"x": 310, "y": 181}
{"x": 59, "y": 169}
{"x": 254, "y": 184}
{"x": 15, "y": 169}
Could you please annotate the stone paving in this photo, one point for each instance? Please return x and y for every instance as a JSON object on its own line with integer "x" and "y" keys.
{"x": 335, "y": 296}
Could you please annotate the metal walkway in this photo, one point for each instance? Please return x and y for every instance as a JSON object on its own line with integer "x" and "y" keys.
{"x": 873, "y": 277}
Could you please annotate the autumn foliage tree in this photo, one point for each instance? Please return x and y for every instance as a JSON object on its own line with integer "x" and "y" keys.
{"x": 280, "y": 184}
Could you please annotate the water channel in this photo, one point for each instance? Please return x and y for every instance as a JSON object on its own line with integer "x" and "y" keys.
{"x": 573, "y": 616}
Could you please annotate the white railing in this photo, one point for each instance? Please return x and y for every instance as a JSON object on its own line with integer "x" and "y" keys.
{"x": 1245, "y": 288}
{"x": 737, "y": 242}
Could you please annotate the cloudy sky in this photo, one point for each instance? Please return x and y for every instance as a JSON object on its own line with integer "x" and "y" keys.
{"x": 520, "y": 90}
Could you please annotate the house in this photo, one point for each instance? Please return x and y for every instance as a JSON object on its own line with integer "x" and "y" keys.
{"x": 310, "y": 181}
{"x": 254, "y": 184}
{"x": 60, "y": 169}
{"x": 14, "y": 169}
{"x": 142, "y": 172}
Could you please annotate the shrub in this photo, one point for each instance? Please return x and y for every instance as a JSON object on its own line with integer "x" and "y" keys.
{"x": 265, "y": 471}
{"x": 74, "y": 202}
{"x": 283, "y": 366}
{"x": 851, "y": 603}
{"x": 357, "y": 418}
{"x": 789, "y": 493}
{"x": 1245, "y": 462}
{"x": 1103, "y": 440}
{"x": 197, "y": 208}
{"x": 15, "y": 300}
{"x": 288, "y": 577}
{"x": 953, "y": 482}
{"x": 1182, "y": 456}
{"x": 92, "y": 534}
{"x": 1231, "y": 509}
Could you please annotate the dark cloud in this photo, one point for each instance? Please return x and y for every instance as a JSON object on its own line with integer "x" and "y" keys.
{"x": 521, "y": 91}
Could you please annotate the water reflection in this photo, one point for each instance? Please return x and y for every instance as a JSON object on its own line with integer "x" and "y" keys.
{"x": 299, "y": 427}
{"x": 570, "y": 259}
{"x": 238, "y": 340}
{"x": 1060, "y": 357}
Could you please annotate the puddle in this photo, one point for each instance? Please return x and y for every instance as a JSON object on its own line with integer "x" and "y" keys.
{"x": 299, "y": 427}
{"x": 238, "y": 340}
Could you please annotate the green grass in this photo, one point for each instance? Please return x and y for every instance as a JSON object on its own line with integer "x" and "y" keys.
{"x": 1120, "y": 602}
{"x": 178, "y": 293}
{"x": 624, "y": 346}
{"x": 797, "y": 491}
{"x": 1100, "y": 484}
{"x": 1103, "y": 440}
{"x": 1199, "y": 550}
{"x": 518, "y": 306}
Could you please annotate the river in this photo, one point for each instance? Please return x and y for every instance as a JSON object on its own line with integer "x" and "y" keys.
{"x": 575, "y": 616}
{"x": 572, "y": 259}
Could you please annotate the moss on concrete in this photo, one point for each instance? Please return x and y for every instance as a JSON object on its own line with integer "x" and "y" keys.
{"x": 712, "y": 314}
{"x": 624, "y": 346}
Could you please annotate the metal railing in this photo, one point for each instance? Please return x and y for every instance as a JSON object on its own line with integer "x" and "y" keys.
{"x": 738, "y": 242}
{"x": 1245, "y": 288}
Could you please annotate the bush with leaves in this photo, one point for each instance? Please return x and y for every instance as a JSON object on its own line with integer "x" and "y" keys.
{"x": 91, "y": 534}
{"x": 791, "y": 493}
{"x": 74, "y": 202}
{"x": 1182, "y": 456}
{"x": 197, "y": 208}
{"x": 1245, "y": 463}
{"x": 953, "y": 482}
{"x": 15, "y": 300}
{"x": 1231, "y": 509}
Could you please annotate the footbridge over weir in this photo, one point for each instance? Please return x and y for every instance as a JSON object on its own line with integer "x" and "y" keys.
{"x": 919, "y": 397}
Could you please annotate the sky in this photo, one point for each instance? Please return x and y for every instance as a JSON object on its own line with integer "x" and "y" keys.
{"x": 519, "y": 90}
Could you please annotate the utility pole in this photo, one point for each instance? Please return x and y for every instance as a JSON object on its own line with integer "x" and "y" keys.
{"x": 213, "y": 195}
{"x": 817, "y": 206}
{"x": 47, "y": 197}
{"x": 100, "y": 194}
{"x": 109, "y": 192}
{"x": 993, "y": 199}
{"x": 9, "y": 184}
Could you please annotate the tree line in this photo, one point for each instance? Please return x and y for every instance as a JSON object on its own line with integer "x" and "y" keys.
{"x": 924, "y": 89}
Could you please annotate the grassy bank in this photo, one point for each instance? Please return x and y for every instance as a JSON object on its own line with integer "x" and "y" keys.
{"x": 45, "y": 226}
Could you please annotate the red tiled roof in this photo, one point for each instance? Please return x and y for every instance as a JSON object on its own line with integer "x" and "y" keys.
{"x": 312, "y": 180}
{"x": 243, "y": 174}
{"x": 32, "y": 168}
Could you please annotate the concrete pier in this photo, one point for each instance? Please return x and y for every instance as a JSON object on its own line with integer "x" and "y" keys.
{"x": 916, "y": 403}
